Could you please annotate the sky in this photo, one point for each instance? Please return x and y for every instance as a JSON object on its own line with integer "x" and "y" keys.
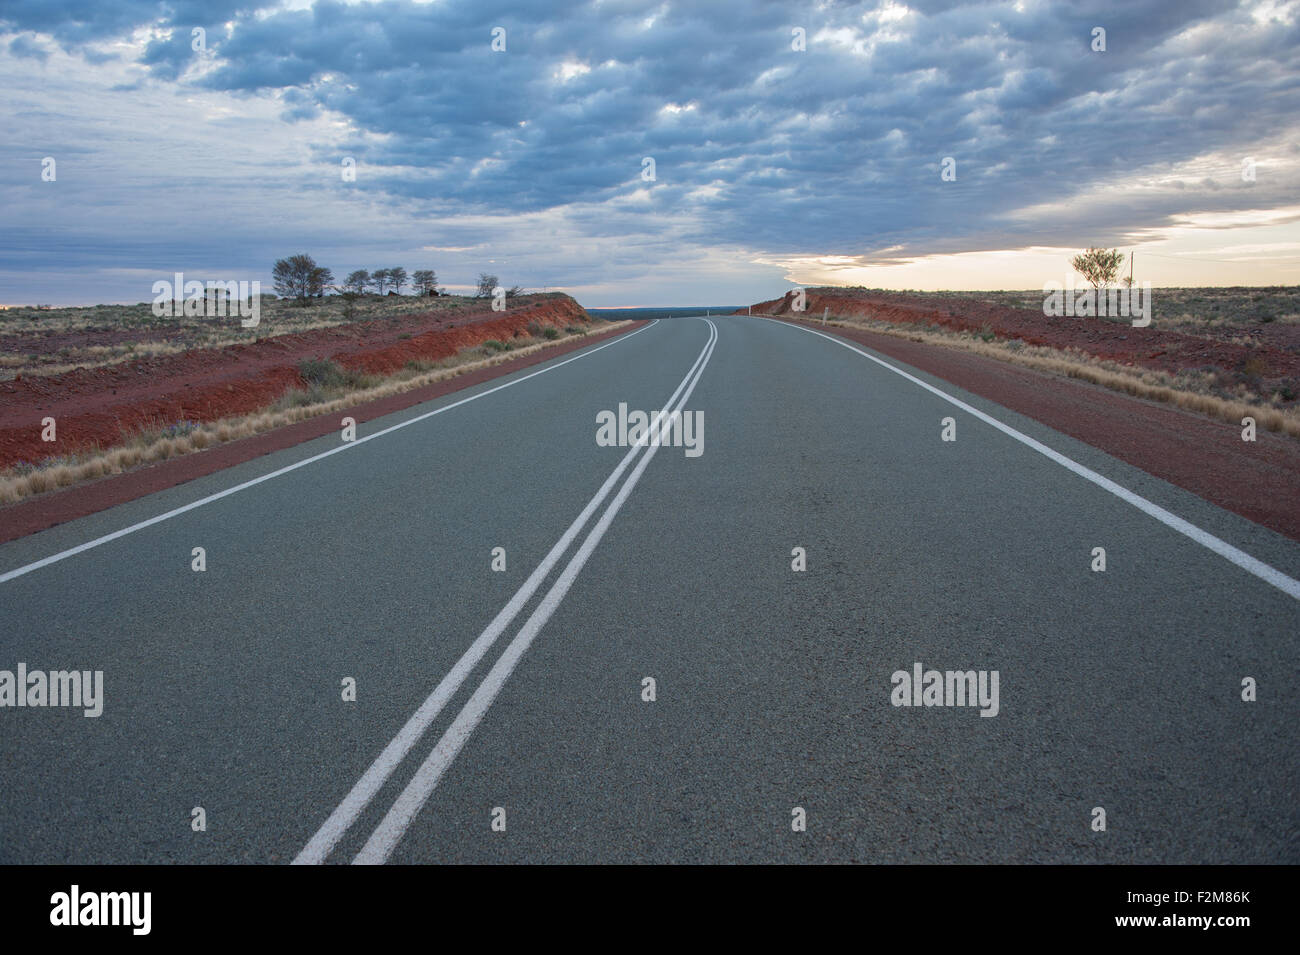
{"x": 646, "y": 153}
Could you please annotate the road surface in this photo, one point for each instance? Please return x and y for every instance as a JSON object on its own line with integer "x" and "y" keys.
{"x": 502, "y": 715}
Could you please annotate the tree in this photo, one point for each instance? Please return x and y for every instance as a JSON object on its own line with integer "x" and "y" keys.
{"x": 514, "y": 291}
{"x": 381, "y": 278}
{"x": 321, "y": 279}
{"x": 424, "y": 280}
{"x": 299, "y": 277}
{"x": 357, "y": 281}
{"x": 398, "y": 277}
{"x": 1099, "y": 266}
{"x": 486, "y": 283}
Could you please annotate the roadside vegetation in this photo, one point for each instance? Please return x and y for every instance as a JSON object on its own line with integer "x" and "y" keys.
{"x": 1238, "y": 386}
{"x": 53, "y": 341}
{"x": 1227, "y": 396}
{"x": 326, "y": 387}
{"x": 1238, "y": 314}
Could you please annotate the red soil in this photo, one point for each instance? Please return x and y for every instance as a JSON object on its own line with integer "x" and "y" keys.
{"x": 38, "y": 513}
{"x": 1148, "y": 347}
{"x": 97, "y": 407}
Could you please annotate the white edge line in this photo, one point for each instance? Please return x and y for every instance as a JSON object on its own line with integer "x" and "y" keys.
{"x": 176, "y": 512}
{"x": 1252, "y": 565}
{"x": 333, "y": 829}
{"x": 417, "y": 792}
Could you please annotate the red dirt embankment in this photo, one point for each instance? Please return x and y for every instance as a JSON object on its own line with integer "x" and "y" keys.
{"x": 97, "y": 407}
{"x": 47, "y": 510}
{"x": 1149, "y": 347}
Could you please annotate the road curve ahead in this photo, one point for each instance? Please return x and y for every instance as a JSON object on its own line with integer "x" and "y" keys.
{"x": 844, "y": 612}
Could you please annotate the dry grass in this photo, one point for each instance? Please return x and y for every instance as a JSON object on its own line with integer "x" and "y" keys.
{"x": 38, "y": 338}
{"x": 1242, "y": 315}
{"x": 1186, "y": 390}
{"x": 94, "y": 356}
{"x": 158, "y": 443}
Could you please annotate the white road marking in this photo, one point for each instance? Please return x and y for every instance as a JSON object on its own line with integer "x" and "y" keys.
{"x": 1265, "y": 572}
{"x": 341, "y": 819}
{"x": 176, "y": 512}
{"x": 408, "y": 805}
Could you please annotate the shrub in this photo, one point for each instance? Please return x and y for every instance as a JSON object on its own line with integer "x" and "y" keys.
{"x": 180, "y": 429}
{"x": 320, "y": 371}
{"x": 322, "y": 375}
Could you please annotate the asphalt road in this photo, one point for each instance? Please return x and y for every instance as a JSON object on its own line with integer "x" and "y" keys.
{"x": 522, "y": 690}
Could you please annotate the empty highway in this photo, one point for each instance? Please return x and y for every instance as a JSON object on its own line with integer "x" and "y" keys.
{"x": 480, "y": 633}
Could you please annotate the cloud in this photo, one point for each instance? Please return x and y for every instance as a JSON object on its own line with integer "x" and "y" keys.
{"x": 23, "y": 46}
{"x": 759, "y": 148}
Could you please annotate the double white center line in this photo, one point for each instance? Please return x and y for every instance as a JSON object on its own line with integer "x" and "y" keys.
{"x": 408, "y": 805}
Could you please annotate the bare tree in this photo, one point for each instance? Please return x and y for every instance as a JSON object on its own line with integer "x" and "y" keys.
{"x": 486, "y": 283}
